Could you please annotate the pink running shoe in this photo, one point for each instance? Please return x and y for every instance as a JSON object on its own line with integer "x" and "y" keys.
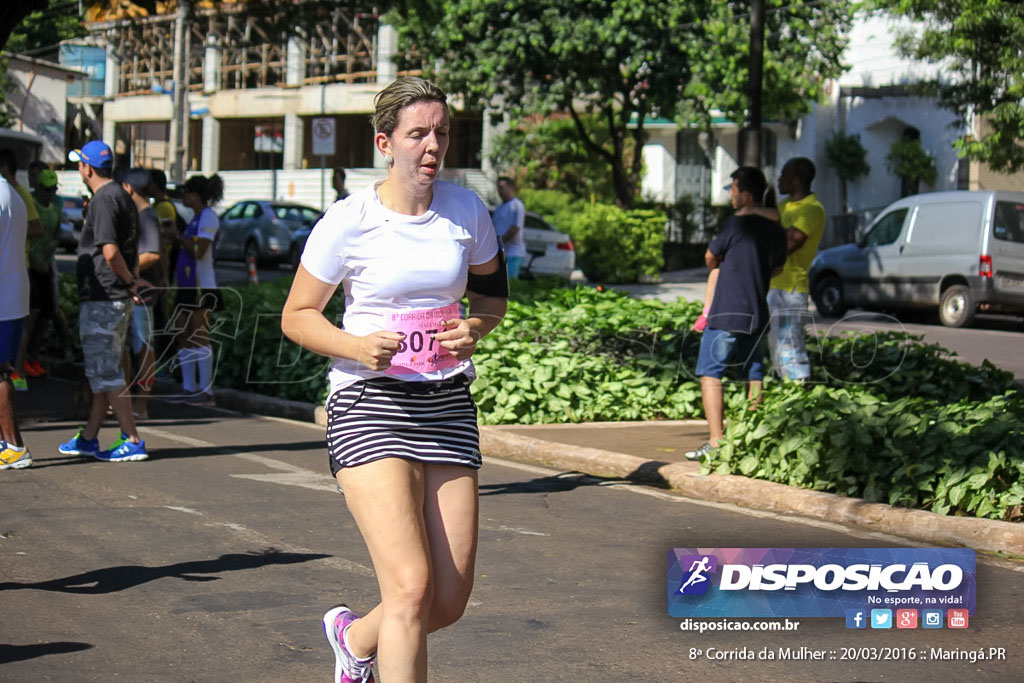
{"x": 347, "y": 667}
{"x": 700, "y": 323}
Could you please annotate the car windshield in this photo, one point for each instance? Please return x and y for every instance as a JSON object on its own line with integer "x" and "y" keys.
{"x": 297, "y": 214}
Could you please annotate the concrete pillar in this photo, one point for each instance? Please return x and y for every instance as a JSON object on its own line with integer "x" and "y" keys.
{"x": 211, "y": 66}
{"x": 108, "y": 130}
{"x": 211, "y": 145}
{"x": 112, "y": 74}
{"x": 387, "y": 48}
{"x": 293, "y": 141}
{"x": 295, "y": 62}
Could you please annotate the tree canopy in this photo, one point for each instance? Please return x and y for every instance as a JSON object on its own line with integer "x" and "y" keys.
{"x": 614, "y": 64}
{"x": 977, "y": 42}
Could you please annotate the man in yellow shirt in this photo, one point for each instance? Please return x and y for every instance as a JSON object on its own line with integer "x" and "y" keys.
{"x": 803, "y": 218}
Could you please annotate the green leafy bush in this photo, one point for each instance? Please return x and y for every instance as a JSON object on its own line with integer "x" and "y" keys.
{"x": 579, "y": 354}
{"x": 962, "y": 457}
{"x": 558, "y": 208}
{"x": 253, "y": 353}
{"x": 613, "y": 245}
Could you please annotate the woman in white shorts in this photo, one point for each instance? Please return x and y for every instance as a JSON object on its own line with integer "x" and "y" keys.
{"x": 402, "y": 434}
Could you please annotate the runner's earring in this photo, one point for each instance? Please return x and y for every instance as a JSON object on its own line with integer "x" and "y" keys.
{"x": 389, "y": 161}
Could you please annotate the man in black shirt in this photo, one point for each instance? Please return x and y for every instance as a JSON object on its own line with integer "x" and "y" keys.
{"x": 107, "y": 273}
{"x": 748, "y": 250}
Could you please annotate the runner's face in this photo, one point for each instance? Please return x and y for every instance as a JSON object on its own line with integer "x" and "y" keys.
{"x": 419, "y": 142}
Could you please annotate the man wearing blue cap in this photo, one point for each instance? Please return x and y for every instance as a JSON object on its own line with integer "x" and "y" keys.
{"x": 108, "y": 286}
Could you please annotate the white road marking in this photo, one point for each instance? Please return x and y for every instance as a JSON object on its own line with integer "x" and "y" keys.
{"x": 513, "y": 529}
{"x": 307, "y": 480}
{"x": 182, "y": 509}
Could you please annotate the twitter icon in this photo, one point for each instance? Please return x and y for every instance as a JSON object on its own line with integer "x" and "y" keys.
{"x": 881, "y": 618}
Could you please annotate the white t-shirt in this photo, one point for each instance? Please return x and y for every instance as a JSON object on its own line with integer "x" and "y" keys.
{"x": 209, "y": 224}
{"x": 510, "y": 213}
{"x": 389, "y": 262}
{"x": 13, "y": 266}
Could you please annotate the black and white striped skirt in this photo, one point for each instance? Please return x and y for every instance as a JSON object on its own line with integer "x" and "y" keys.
{"x": 429, "y": 422}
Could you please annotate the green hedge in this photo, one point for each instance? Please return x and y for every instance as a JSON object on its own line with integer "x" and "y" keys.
{"x": 613, "y": 245}
{"x": 962, "y": 457}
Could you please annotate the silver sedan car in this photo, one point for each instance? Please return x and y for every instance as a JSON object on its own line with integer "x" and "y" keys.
{"x": 262, "y": 230}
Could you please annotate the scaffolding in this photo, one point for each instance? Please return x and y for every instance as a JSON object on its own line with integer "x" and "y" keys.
{"x": 250, "y": 43}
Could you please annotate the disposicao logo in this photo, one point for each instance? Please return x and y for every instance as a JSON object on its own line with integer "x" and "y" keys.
{"x": 817, "y": 582}
{"x": 696, "y": 581}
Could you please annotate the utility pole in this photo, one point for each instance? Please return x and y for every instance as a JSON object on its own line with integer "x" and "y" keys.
{"x": 179, "y": 115}
{"x": 750, "y": 138}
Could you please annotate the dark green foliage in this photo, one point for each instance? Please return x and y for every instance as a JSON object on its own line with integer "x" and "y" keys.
{"x": 613, "y": 245}
{"x": 965, "y": 457}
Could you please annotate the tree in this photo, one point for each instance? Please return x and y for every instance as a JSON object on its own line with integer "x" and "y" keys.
{"x": 977, "y": 43}
{"x": 912, "y": 164}
{"x": 846, "y": 155}
{"x": 620, "y": 62}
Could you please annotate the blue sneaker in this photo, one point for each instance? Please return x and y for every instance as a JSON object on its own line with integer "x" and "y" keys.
{"x": 126, "y": 451}
{"x": 79, "y": 446}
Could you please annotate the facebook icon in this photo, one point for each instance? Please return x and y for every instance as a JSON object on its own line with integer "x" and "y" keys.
{"x": 856, "y": 618}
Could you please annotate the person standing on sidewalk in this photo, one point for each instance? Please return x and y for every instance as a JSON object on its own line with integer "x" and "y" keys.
{"x": 14, "y": 307}
{"x": 402, "y": 432}
{"x": 41, "y": 264}
{"x": 9, "y": 171}
{"x": 803, "y": 218}
{"x": 136, "y": 183}
{"x": 747, "y": 250}
{"x": 108, "y": 286}
{"x": 509, "y": 219}
{"x": 197, "y": 286}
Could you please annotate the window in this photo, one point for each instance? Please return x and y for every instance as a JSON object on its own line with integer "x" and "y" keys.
{"x": 234, "y": 212}
{"x": 1009, "y": 222}
{"x": 252, "y": 210}
{"x": 887, "y": 229}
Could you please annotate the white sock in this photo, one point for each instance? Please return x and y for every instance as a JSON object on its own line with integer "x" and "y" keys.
{"x": 204, "y": 356}
{"x": 187, "y": 359}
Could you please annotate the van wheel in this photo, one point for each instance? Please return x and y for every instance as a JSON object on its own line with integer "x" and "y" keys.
{"x": 828, "y": 297}
{"x": 956, "y": 307}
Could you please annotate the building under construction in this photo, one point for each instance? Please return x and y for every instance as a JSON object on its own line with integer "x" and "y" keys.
{"x": 257, "y": 74}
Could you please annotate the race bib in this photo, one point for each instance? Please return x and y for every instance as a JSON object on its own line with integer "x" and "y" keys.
{"x": 418, "y": 352}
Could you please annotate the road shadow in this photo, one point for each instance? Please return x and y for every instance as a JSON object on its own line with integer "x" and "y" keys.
{"x": 187, "y": 452}
{"x": 556, "y": 483}
{"x": 114, "y": 579}
{"x": 19, "y": 653}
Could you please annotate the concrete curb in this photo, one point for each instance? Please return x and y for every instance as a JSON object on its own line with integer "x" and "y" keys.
{"x": 980, "y": 534}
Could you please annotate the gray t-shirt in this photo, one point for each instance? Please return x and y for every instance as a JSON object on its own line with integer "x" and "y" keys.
{"x": 149, "y": 243}
{"x": 110, "y": 218}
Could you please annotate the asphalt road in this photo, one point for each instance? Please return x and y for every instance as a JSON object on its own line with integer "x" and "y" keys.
{"x": 214, "y": 561}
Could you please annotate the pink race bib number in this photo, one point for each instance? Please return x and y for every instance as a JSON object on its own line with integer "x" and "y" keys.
{"x": 418, "y": 352}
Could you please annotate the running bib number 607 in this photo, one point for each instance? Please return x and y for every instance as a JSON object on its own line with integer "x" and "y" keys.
{"x": 419, "y": 352}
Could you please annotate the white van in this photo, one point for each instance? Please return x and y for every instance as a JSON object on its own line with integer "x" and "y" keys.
{"x": 961, "y": 252}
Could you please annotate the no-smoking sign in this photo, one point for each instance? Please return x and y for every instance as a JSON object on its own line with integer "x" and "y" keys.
{"x": 323, "y": 137}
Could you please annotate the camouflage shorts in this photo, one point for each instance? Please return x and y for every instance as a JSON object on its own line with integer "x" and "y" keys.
{"x": 102, "y": 326}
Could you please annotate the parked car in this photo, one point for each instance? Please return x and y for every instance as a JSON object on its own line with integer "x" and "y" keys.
{"x": 548, "y": 251}
{"x": 71, "y": 219}
{"x": 262, "y": 230}
{"x": 959, "y": 252}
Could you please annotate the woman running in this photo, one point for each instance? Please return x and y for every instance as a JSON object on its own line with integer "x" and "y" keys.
{"x": 402, "y": 434}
